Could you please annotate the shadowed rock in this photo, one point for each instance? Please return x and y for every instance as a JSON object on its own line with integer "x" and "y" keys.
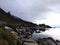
{"x": 46, "y": 41}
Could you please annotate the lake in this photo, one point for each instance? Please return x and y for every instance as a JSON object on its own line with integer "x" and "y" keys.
{"x": 53, "y": 32}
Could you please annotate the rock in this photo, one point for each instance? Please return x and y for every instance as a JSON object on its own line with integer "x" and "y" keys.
{"x": 46, "y": 41}
{"x": 29, "y": 42}
{"x": 8, "y": 28}
{"x": 58, "y": 42}
{"x": 50, "y": 42}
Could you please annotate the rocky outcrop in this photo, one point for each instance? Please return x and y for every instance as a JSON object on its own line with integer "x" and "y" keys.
{"x": 29, "y": 42}
{"x": 58, "y": 42}
{"x": 46, "y": 41}
{"x": 20, "y": 31}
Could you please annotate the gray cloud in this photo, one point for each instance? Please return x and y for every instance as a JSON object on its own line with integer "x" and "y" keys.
{"x": 30, "y": 10}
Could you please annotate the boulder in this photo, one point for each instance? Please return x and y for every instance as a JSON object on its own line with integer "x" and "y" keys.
{"x": 29, "y": 42}
{"x": 46, "y": 41}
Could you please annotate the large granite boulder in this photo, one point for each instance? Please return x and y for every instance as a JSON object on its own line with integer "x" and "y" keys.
{"x": 46, "y": 41}
{"x": 29, "y": 42}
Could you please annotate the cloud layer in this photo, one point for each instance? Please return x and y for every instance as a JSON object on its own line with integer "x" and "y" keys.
{"x": 31, "y": 10}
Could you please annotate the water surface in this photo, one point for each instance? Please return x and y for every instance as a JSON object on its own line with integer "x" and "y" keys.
{"x": 53, "y": 32}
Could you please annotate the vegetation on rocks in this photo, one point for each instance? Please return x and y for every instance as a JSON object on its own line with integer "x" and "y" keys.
{"x": 6, "y": 35}
{"x": 19, "y": 30}
{"x": 7, "y": 38}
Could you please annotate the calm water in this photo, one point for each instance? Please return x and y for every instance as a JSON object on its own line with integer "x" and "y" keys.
{"x": 54, "y": 33}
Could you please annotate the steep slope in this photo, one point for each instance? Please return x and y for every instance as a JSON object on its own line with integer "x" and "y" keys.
{"x": 6, "y": 36}
{"x": 10, "y": 19}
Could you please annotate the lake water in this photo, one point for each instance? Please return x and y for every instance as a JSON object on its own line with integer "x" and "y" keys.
{"x": 53, "y": 32}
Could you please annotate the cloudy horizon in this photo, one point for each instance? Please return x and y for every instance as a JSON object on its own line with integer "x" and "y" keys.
{"x": 37, "y": 11}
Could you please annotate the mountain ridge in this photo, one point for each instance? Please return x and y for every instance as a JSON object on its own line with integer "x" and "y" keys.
{"x": 9, "y": 18}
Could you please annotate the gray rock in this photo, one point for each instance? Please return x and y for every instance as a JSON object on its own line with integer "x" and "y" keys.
{"x": 29, "y": 42}
{"x": 46, "y": 41}
{"x": 50, "y": 42}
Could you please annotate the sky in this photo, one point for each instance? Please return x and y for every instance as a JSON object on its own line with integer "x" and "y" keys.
{"x": 37, "y": 11}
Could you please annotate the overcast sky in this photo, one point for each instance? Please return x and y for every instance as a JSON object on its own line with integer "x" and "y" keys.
{"x": 37, "y": 11}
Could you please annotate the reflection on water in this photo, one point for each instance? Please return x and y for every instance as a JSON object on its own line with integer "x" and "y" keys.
{"x": 54, "y": 33}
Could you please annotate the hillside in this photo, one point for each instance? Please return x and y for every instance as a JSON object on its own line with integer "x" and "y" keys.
{"x": 16, "y": 31}
{"x": 11, "y": 36}
{"x": 6, "y": 36}
{"x": 13, "y": 20}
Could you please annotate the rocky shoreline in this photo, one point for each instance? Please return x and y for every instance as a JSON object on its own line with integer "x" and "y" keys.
{"x": 15, "y": 31}
{"x": 44, "y": 41}
{"x": 23, "y": 36}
